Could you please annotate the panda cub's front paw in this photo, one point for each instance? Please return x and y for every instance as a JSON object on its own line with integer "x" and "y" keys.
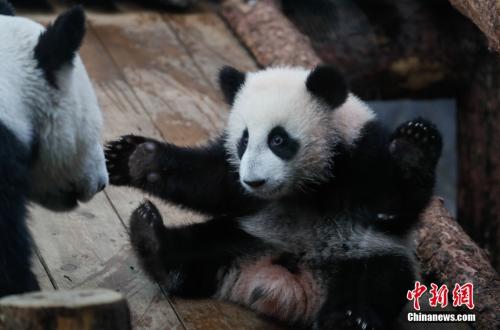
{"x": 416, "y": 144}
{"x": 145, "y": 164}
{"x": 134, "y": 160}
{"x": 117, "y": 154}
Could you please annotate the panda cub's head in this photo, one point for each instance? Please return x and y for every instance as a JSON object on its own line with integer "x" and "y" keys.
{"x": 285, "y": 123}
{"x": 47, "y": 101}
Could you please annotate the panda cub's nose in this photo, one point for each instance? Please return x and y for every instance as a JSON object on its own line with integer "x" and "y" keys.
{"x": 255, "y": 183}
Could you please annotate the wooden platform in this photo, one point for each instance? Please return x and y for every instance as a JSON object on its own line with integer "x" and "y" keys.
{"x": 155, "y": 75}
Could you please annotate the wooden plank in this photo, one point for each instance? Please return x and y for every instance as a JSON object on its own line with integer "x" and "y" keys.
{"x": 209, "y": 43}
{"x": 163, "y": 76}
{"x": 89, "y": 248}
{"x": 186, "y": 109}
{"x": 41, "y": 273}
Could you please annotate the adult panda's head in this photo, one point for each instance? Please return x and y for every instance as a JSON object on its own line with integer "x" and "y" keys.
{"x": 49, "y": 103}
{"x": 285, "y": 124}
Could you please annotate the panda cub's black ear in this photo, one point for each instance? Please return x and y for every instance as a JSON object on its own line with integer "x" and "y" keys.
{"x": 230, "y": 82}
{"x": 328, "y": 84}
{"x": 57, "y": 46}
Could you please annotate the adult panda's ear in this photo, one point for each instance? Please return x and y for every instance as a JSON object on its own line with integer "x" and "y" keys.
{"x": 328, "y": 84}
{"x": 57, "y": 46}
{"x": 6, "y": 8}
{"x": 230, "y": 82}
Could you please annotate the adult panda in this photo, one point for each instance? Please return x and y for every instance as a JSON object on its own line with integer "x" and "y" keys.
{"x": 312, "y": 202}
{"x": 50, "y": 124}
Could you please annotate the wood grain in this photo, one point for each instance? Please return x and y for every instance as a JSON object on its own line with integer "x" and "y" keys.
{"x": 209, "y": 43}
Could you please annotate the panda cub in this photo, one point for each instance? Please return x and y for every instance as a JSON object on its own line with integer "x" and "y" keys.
{"x": 311, "y": 202}
{"x": 50, "y": 132}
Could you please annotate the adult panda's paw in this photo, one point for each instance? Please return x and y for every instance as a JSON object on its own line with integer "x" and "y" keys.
{"x": 416, "y": 144}
{"x": 146, "y": 228}
{"x": 117, "y": 158}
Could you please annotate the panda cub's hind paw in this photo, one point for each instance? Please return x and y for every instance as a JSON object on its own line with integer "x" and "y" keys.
{"x": 346, "y": 320}
{"x": 117, "y": 154}
{"x": 146, "y": 225}
{"x": 146, "y": 237}
{"x": 416, "y": 143}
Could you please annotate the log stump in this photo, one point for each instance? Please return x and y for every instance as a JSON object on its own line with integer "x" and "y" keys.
{"x": 65, "y": 310}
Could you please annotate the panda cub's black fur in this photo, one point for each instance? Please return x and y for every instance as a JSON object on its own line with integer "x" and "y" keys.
{"x": 312, "y": 202}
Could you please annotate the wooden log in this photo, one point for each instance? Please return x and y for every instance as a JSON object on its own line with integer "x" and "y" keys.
{"x": 65, "y": 310}
{"x": 486, "y": 15}
{"x": 271, "y": 38}
{"x": 479, "y": 159}
{"x": 448, "y": 255}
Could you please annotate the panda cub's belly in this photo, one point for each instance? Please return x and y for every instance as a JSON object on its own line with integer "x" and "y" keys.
{"x": 270, "y": 287}
{"x": 322, "y": 238}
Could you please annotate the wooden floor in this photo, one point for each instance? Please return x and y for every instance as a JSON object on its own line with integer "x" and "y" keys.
{"x": 155, "y": 75}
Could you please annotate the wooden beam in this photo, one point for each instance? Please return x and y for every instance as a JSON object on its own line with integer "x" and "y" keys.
{"x": 268, "y": 34}
{"x": 486, "y": 15}
{"x": 479, "y": 160}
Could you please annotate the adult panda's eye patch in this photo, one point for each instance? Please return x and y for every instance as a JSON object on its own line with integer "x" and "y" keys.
{"x": 242, "y": 143}
{"x": 282, "y": 144}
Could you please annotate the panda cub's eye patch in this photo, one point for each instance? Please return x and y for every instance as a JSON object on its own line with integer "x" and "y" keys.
{"x": 282, "y": 144}
{"x": 242, "y": 143}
